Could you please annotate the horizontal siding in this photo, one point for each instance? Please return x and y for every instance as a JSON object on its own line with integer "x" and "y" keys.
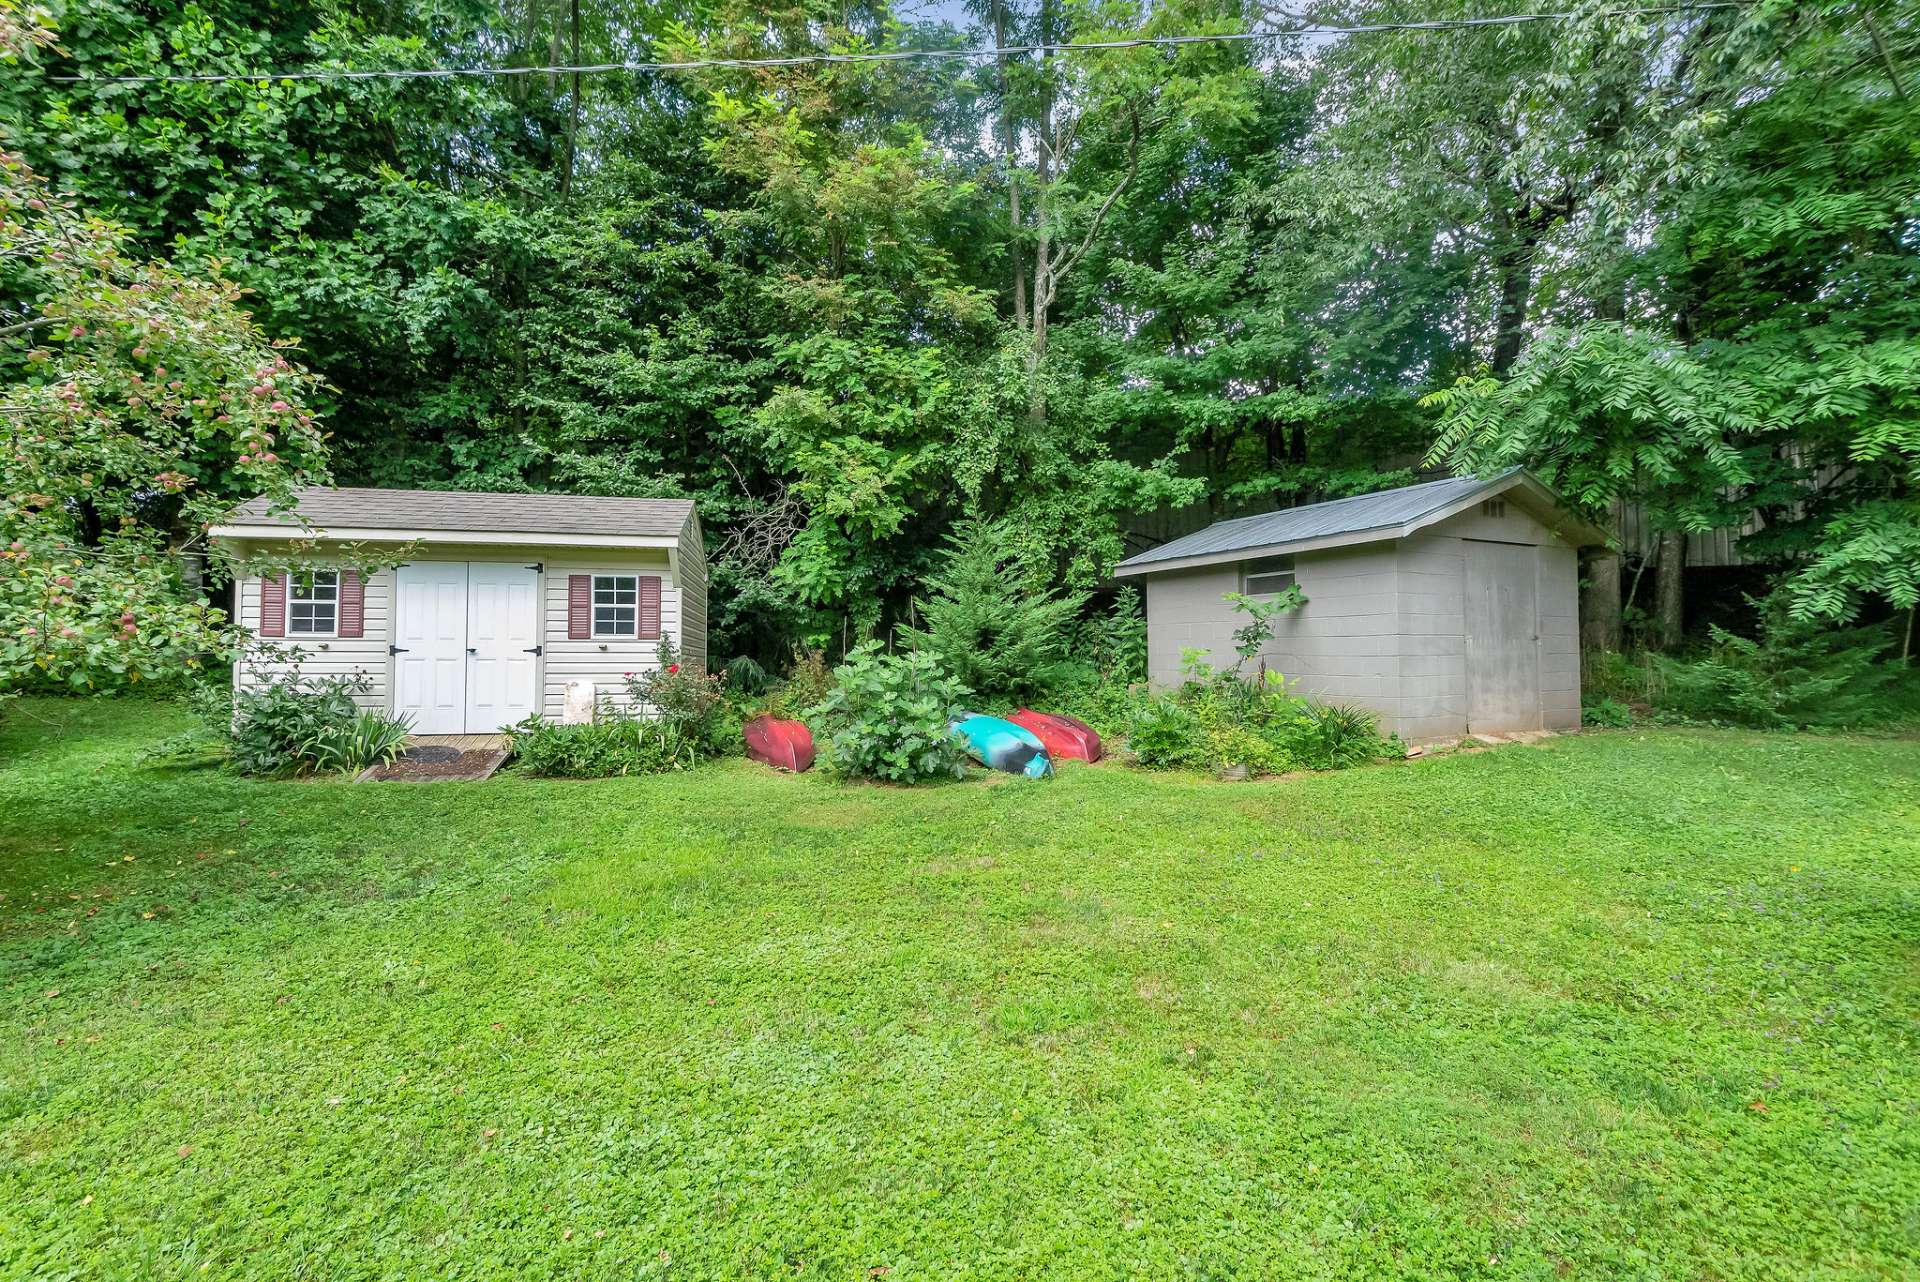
{"x": 605, "y": 661}
{"x": 693, "y": 593}
{"x": 268, "y": 658}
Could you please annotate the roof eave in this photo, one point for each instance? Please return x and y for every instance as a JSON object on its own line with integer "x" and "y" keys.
{"x": 507, "y": 538}
{"x": 1348, "y": 538}
{"x": 1543, "y": 504}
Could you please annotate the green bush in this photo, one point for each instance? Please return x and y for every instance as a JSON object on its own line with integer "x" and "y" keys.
{"x": 1216, "y": 720}
{"x": 684, "y": 697}
{"x": 888, "y": 717}
{"x": 1797, "y": 675}
{"x": 276, "y": 723}
{"x": 1109, "y": 706}
{"x": 806, "y": 685}
{"x": 1165, "y": 735}
{"x": 611, "y": 744}
{"x": 1111, "y": 646}
{"x": 1332, "y": 736}
{"x": 989, "y": 622}
{"x": 1605, "y": 714}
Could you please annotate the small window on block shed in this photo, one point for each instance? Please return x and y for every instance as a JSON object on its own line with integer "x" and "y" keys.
{"x": 1267, "y": 577}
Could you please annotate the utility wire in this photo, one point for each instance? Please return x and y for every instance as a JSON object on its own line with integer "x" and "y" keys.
{"x": 900, "y": 55}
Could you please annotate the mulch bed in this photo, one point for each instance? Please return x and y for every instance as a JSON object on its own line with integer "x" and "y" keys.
{"x": 435, "y": 764}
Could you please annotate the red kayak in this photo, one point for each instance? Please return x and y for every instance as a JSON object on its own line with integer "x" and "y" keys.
{"x": 1064, "y": 736}
{"x": 787, "y": 745}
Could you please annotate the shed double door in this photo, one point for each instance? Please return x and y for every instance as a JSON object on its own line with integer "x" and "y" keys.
{"x": 466, "y": 639}
{"x": 1503, "y": 636}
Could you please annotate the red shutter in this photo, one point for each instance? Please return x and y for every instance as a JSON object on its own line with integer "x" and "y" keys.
{"x": 353, "y": 605}
{"x": 579, "y": 607}
{"x": 273, "y": 605}
{"x": 649, "y": 607}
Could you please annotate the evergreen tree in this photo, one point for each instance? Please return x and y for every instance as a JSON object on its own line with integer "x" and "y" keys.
{"x": 987, "y": 621}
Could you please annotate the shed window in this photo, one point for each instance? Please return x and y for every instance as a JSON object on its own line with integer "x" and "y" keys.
{"x": 616, "y": 605}
{"x": 313, "y": 603}
{"x": 1268, "y": 577}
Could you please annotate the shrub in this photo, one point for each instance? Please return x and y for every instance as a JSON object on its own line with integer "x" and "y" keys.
{"x": 1112, "y": 645}
{"x": 1216, "y": 720}
{"x": 276, "y": 722}
{"x": 683, "y": 696}
{"x": 611, "y": 744}
{"x": 1165, "y": 735}
{"x": 1605, "y": 713}
{"x": 1333, "y": 736}
{"x": 987, "y": 623}
{"x": 744, "y": 675}
{"x": 1797, "y": 675}
{"x": 807, "y": 684}
{"x": 889, "y": 717}
{"x": 1108, "y": 705}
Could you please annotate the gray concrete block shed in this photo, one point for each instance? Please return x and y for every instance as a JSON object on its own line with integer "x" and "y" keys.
{"x": 1447, "y": 608}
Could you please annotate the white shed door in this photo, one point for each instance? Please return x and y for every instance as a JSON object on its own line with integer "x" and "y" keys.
{"x": 503, "y": 634}
{"x": 1503, "y": 637}
{"x": 430, "y": 640}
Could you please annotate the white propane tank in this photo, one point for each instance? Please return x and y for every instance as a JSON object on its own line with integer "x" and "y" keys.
{"x": 579, "y": 705}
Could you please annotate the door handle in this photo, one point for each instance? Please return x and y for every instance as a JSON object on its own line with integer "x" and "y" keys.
{"x": 472, "y": 650}
{"x": 532, "y": 649}
{"x": 396, "y": 649}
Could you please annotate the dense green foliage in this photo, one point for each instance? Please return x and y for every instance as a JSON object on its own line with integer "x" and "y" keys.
{"x": 610, "y": 745}
{"x": 140, "y": 402}
{"x": 285, "y": 721}
{"x": 1666, "y": 257}
{"x": 1219, "y": 720}
{"x": 991, "y": 622}
{"x": 1654, "y": 991}
{"x": 888, "y": 717}
{"x": 1796, "y": 675}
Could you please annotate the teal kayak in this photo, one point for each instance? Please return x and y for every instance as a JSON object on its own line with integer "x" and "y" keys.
{"x": 1001, "y": 745}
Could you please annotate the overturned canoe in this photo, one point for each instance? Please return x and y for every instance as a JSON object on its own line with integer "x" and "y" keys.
{"x": 785, "y": 744}
{"x": 1066, "y": 738}
{"x": 1001, "y": 745}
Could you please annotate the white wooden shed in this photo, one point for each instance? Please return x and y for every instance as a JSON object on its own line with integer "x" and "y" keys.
{"x": 1447, "y": 608}
{"x": 502, "y": 602}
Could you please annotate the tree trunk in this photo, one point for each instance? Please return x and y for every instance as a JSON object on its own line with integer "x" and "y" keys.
{"x": 573, "y": 105}
{"x": 1668, "y": 598}
{"x": 1510, "y": 320}
{"x": 1043, "y": 184}
{"x": 1600, "y": 619}
{"x": 1010, "y": 141}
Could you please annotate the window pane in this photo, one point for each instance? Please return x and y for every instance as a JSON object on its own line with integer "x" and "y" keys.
{"x": 614, "y": 589}
{"x": 310, "y": 617}
{"x": 1268, "y": 584}
{"x": 321, "y": 585}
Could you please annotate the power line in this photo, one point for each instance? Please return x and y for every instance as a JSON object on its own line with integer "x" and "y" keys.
{"x": 900, "y": 55}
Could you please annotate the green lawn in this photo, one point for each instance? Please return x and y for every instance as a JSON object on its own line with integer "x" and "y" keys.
{"x": 1623, "y": 1005}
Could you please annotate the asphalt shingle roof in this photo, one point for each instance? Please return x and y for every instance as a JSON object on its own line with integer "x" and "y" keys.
{"x": 1386, "y": 511}
{"x": 437, "y": 510}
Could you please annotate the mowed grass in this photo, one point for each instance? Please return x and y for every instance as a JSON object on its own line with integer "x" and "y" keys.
{"x": 1622, "y": 1005}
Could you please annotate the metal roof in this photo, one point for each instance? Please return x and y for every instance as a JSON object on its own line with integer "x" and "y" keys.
{"x": 347, "y": 508}
{"x": 1387, "y": 514}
